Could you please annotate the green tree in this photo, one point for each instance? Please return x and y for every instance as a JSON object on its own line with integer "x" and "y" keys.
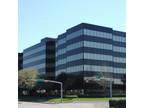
{"x": 25, "y": 76}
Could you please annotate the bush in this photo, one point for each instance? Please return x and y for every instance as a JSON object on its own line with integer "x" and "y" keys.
{"x": 117, "y": 103}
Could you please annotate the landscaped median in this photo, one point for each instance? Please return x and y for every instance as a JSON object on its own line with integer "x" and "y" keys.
{"x": 77, "y": 99}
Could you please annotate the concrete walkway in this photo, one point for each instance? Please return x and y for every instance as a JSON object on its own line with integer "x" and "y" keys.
{"x": 64, "y": 105}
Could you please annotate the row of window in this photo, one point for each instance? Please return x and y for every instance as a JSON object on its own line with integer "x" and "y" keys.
{"x": 91, "y": 56}
{"x": 60, "y": 62}
{"x": 119, "y": 49}
{"x": 93, "y": 68}
{"x": 42, "y": 52}
{"x": 97, "y": 34}
{"x": 60, "y": 41}
{"x": 74, "y": 34}
{"x": 34, "y": 51}
{"x": 91, "y": 45}
{"x": 74, "y": 46}
{"x": 119, "y": 59}
{"x": 119, "y": 70}
{"x": 86, "y": 56}
{"x": 90, "y": 68}
{"x": 91, "y": 33}
{"x": 85, "y": 32}
{"x": 36, "y": 66}
{"x": 60, "y": 52}
{"x": 75, "y": 69}
{"x": 34, "y": 59}
{"x": 75, "y": 57}
{"x": 119, "y": 38}
{"x": 97, "y": 45}
{"x": 98, "y": 68}
{"x": 97, "y": 57}
{"x": 86, "y": 44}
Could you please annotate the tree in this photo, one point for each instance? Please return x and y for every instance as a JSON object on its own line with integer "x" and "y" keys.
{"x": 105, "y": 79}
{"x": 104, "y": 83}
{"x": 124, "y": 82}
{"x": 24, "y": 78}
{"x": 63, "y": 77}
{"x": 124, "y": 79}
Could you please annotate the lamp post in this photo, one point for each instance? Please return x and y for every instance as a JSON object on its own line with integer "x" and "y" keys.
{"x": 111, "y": 88}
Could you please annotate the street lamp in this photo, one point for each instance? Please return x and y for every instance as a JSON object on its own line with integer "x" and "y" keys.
{"x": 111, "y": 87}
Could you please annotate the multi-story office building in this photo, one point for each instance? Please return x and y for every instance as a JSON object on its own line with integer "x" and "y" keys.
{"x": 85, "y": 53}
{"x": 20, "y": 61}
{"x": 41, "y": 57}
{"x": 92, "y": 51}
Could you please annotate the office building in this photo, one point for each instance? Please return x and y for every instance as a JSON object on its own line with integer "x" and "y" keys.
{"x": 82, "y": 58}
{"x": 91, "y": 52}
{"x": 41, "y": 57}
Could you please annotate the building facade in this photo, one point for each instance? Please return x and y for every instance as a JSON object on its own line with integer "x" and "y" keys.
{"x": 82, "y": 58}
{"x": 41, "y": 57}
{"x": 91, "y": 51}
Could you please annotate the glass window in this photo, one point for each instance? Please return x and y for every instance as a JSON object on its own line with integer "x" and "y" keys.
{"x": 97, "y": 45}
{"x": 74, "y": 57}
{"x": 34, "y": 59}
{"x": 36, "y": 66}
{"x": 119, "y": 38}
{"x": 119, "y": 60}
{"x": 34, "y": 51}
{"x": 61, "y": 51}
{"x": 119, "y": 70}
{"x": 61, "y": 41}
{"x": 74, "y": 34}
{"x": 75, "y": 68}
{"x": 98, "y": 68}
{"x": 62, "y": 61}
{"x": 74, "y": 46}
{"x": 97, "y": 56}
{"x": 119, "y": 49}
{"x": 98, "y": 34}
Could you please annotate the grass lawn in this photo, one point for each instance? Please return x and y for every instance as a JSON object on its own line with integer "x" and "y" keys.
{"x": 68, "y": 100}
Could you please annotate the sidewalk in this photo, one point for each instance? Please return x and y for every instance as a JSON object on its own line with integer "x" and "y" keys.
{"x": 64, "y": 105}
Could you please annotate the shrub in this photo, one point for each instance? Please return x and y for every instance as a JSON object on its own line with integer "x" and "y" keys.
{"x": 117, "y": 103}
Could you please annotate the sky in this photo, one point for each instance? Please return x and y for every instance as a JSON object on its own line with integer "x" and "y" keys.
{"x": 49, "y": 18}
